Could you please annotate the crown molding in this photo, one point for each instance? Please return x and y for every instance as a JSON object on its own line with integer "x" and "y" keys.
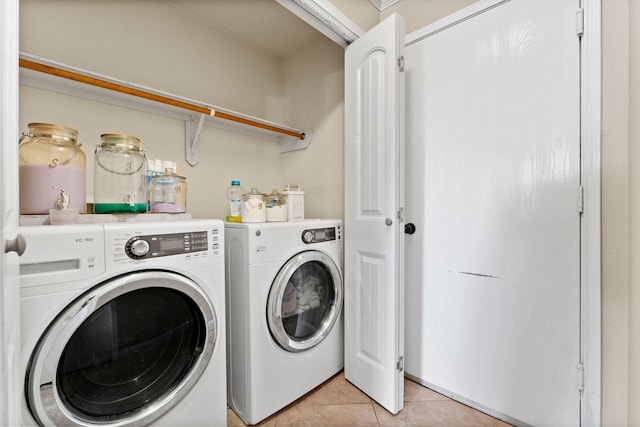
{"x": 383, "y": 4}
{"x": 326, "y": 18}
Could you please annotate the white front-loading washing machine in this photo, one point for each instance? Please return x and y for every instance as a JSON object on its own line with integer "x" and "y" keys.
{"x": 284, "y": 312}
{"x": 124, "y": 323}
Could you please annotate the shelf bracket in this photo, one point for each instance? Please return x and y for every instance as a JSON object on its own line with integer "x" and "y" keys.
{"x": 193, "y": 127}
{"x": 291, "y": 143}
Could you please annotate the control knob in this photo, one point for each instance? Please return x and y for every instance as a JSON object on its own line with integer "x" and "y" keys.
{"x": 307, "y": 236}
{"x": 137, "y": 248}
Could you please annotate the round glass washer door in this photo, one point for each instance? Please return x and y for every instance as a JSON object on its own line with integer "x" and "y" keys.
{"x": 124, "y": 353}
{"x": 305, "y": 301}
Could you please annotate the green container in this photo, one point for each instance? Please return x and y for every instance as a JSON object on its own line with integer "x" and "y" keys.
{"x": 119, "y": 208}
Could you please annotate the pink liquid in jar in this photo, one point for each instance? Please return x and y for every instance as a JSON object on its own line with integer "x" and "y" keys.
{"x": 37, "y": 194}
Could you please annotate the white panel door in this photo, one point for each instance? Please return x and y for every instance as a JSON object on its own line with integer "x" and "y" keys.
{"x": 493, "y": 154}
{"x": 10, "y": 383}
{"x": 374, "y": 262}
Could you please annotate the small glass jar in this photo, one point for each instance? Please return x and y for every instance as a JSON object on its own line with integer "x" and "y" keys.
{"x": 168, "y": 192}
{"x": 276, "y": 204}
{"x": 253, "y": 207}
{"x": 51, "y": 161}
{"x": 120, "y": 183}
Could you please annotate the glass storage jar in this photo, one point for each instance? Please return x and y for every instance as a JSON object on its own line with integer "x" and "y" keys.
{"x": 276, "y": 204}
{"x": 168, "y": 192}
{"x": 120, "y": 183}
{"x": 253, "y": 208}
{"x": 50, "y": 162}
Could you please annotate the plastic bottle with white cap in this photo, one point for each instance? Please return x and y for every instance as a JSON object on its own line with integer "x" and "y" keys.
{"x": 234, "y": 202}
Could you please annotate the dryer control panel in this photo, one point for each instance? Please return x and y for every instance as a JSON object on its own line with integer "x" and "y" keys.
{"x": 318, "y": 235}
{"x": 158, "y": 245}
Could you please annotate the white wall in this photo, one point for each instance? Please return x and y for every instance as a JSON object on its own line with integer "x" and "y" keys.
{"x": 362, "y": 12}
{"x": 616, "y": 163}
{"x": 634, "y": 214}
{"x": 168, "y": 49}
{"x": 314, "y": 99}
{"x": 173, "y": 50}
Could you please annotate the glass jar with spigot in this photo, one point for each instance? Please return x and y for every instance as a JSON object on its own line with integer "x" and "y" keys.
{"x": 51, "y": 162}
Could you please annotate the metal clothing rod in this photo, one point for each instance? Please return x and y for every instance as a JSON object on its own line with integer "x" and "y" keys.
{"x": 59, "y": 72}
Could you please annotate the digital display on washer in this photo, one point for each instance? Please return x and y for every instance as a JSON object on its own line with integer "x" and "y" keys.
{"x": 171, "y": 245}
{"x": 321, "y": 235}
{"x": 153, "y": 246}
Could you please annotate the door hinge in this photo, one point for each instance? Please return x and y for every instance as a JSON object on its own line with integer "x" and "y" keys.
{"x": 400, "y": 215}
{"x": 580, "y": 367}
{"x": 401, "y": 64}
{"x": 580, "y": 199}
{"x": 400, "y": 364}
{"x": 580, "y": 22}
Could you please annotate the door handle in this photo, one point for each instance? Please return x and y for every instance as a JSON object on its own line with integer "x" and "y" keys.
{"x": 17, "y": 245}
{"x": 409, "y": 228}
{"x": 388, "y": 221}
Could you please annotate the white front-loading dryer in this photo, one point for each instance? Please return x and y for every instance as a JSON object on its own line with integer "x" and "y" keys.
{"x": 284, "y": 312}
{"x": 124, "y": 324}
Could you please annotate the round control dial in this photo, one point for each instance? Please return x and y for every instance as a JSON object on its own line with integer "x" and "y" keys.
{"x": 307, "y": 236}
{"x": 137, "y": 248}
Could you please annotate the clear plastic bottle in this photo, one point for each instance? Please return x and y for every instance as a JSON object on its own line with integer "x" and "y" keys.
{"x": 234, "y": 202}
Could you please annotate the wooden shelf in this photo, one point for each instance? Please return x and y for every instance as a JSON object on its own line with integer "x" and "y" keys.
{"x": 56, "y": 77}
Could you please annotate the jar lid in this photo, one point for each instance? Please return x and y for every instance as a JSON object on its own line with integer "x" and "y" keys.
{"x": 121, "y": 140}
{"x": 275, "y": 193}
{"x": 171, "y": 173}
{"x": 254, "y": 192}
{"x": 53, "y": 131}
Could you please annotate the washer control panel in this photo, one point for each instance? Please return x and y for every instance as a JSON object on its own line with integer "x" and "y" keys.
{"x": 159, "y": 245}
{"x": 318, "y": 235}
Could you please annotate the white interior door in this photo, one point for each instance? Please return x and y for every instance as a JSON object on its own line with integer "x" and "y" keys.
{"x": 374, "y": 231}
{"x": 10, "y": 383}
{"x": 493, "y": 152}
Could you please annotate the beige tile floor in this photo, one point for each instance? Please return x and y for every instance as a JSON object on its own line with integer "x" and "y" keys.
{"x": 339, "y": 403}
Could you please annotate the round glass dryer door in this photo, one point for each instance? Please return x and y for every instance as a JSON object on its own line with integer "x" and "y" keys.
{"x": 304, "y": 301}
{"x": 124, "y": 353}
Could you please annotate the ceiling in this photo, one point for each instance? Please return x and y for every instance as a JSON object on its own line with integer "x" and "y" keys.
{"x": 260, "y": 23}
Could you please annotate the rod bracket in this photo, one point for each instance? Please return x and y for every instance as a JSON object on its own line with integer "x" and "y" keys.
{"x": 292, "y": 143}
{"x": 193, "y": 127}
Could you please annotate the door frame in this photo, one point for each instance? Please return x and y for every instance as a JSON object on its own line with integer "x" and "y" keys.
{"x": 591, "y": 101}
{"x": 10, "y": 382}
